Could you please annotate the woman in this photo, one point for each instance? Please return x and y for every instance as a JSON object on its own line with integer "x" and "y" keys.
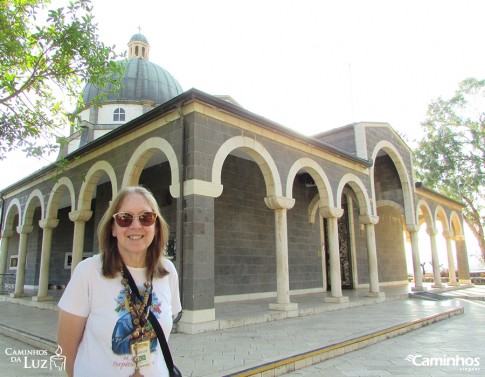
{"x": 103, "y": 328}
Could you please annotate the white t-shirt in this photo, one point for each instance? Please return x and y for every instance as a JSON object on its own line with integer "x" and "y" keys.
{"x": 102, "y": 351}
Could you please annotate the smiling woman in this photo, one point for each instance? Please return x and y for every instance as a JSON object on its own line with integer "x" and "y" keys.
{"x": 102, "y": 319}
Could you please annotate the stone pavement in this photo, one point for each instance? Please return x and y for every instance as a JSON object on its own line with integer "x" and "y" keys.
{"x": 281, "y": 346}
{"x": 455, "y": 347}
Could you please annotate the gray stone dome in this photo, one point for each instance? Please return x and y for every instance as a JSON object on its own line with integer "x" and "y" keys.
{"x": 142, "y": 81}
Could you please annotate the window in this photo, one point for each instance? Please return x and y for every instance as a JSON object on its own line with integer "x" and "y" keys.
{"x": 14, "y": 262}
{"x": 68, "y": 259}
{"x": 119, "y": 115}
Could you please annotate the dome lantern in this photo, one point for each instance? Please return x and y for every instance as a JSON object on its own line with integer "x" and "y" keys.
{"x": 138, "y": 47}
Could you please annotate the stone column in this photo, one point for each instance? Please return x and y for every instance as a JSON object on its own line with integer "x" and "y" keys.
{"x": 24, "y": 231}
{"x": 332, "y": 214}
{"x": 462, "y": 260}
{"x": 369, "y": 221}
{"x": 451, "y": 262}
{"x": 418, "y": 274}
{"x": 196, "y": 265}
{"x": 79, "y": 218}
{"x": 324, "y": 257}
{"x": 6, "y": 234}
{"x": 434, "y": 258}
{"x": 48, "y": 226}
{"x": 280, "y": 205}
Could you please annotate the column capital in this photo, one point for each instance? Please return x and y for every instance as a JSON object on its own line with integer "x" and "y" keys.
{"x": 432, "y": 231}
{"x": 369, "y": 219}
{"x": 448, "y": 234}
{"x": 279, "y": 202}
{"x": 48, "y": 223}
{"x": 459, "y": 237}
{"x": 329, "y": 212}
{"x": 6, "y": 233}
{"x": 197, "y": 187}
{"x": 412, "y": 228}
{"x": 80, "y": 215}
{"x": 25, "y": 229}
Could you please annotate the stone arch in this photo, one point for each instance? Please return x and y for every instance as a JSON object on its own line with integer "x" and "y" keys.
{"x": 406, "y": 180}
{"x": 390, "y": 203}
{"x": 28, "y": 216}
{"x": 56, "y": 195}
{"x": 142, "y": 155}
{"x": 360, "y": 191}
{"x": 313, "y": 207}
{"x": 10, "y": 214}
{"x": 427, "y": 213}
{"x": 455, "y": 224}
{"x": 317, "y": 174}
{"x": 260, "y": 155}
{"x": 90, "y": 181}
{"x": 440, "y": 215}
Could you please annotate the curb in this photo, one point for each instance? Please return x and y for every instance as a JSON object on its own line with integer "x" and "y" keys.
{"x": 30, "y": 339}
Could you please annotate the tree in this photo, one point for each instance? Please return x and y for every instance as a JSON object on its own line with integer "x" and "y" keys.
{"x": 45, "y": 57}
{"x": 451, "y": 156}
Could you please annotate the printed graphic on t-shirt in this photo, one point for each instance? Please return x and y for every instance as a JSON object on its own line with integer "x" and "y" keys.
{"x": 120, "y": 340}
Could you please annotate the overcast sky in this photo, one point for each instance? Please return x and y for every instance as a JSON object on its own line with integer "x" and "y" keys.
{"x": 310, "y": 65}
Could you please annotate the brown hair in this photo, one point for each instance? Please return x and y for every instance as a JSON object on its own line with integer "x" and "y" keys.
{"x": 108, "y": 244}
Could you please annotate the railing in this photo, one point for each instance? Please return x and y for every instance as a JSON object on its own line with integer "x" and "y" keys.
{"x": 7, "y": 283}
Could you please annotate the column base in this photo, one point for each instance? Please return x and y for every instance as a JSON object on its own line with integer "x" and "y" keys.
{"x": 17, "y": 295}
{"x": 338, "y": 300}
{"x": 438, "y": 285}
{"x": 42, "y": 298}
{"x": 197, "y": 328}
{"x": 455, "y": 284}
{"x": 284, "y": 307}
{"x": 375, "y": 294}
{"x": 198, "y": 321}
{"x": 419, "y": 289}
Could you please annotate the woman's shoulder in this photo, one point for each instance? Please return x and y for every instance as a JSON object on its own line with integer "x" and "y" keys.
{"x": 90, "y": 263}
{"x": 168, "y": 265}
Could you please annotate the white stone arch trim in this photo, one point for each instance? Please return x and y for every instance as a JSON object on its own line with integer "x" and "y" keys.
{"x": 440, "y": 210}
{"x": 142, "y": 155}
{"x": 28, "y": 215}
{"x": 90, "y": 180}
{"x": 456, "y": 224}
{"x": 390, "y": 203}
{"x": 317, "y": 174}
{"x": 261, "y": 156}
{"x": 406, "y": 180}
{"x": 360, "y": 191}
{"x": 313, "y": 207}
{"x": 10, "y": 214}
{"x": 56, "y": 195}
{"x": 428, "y": 214}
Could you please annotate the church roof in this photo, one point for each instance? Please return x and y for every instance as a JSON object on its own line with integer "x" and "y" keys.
{"x": 142, "y": 80}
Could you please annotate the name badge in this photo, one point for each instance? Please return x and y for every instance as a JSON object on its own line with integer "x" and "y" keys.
{"x": 141, "y": 350}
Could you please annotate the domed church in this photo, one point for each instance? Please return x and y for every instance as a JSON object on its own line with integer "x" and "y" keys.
{"x": 256, "y": 210}
{"x": 145, "y": 85}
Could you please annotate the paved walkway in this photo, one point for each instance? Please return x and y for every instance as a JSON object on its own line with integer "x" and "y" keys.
{"x": 457, "y": 344}
{"x": 276, "y": 347}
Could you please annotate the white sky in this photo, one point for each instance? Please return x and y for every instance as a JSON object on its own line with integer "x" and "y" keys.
{"x": 310, "y": 65}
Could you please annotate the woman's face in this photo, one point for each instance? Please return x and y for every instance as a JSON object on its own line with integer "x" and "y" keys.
{"x": 133, "y": 240}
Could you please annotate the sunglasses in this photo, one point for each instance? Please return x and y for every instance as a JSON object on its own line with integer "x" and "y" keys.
{"x": 124, "y": 219}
